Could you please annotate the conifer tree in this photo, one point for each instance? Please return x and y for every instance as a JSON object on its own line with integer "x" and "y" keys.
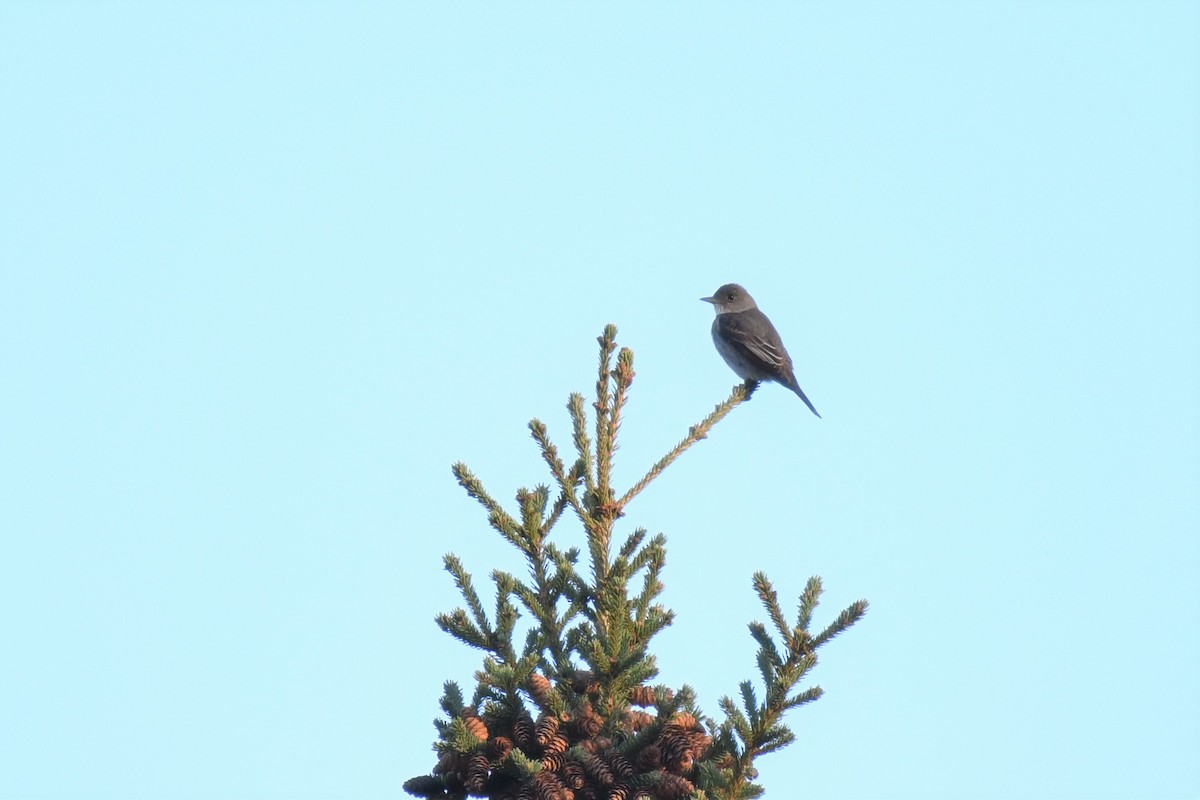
{"x": 570, "y": 713}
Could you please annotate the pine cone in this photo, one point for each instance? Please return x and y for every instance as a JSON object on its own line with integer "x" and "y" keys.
{"x": 637, "y": 720}
{"x": 650, "y": 758}
{"x": 547, "y": 786}
{"x": 547, "y": 729}
{"x": 572, "y": 775}
{"x": 700, "y": 743}
{"x": 475, "y": 726}
{"x": 622, "y": 792}
{"x": 477, "y": 774}
{"x": 499, "y": 748}
{"x": 584, "y": 682}
{"x": 596, "y": 744}
{"x": 426, "y": 786}
{"x": 539, "y": 689}
{"x": 450, "y": 763}
{"x": 685, "y": 720}
{"x": 522, "y": 732}
{"x": 677, "y": 753}
{"x": 594, "y": 766}
{"x": 557, "y": 744}
{"x": 642, "y": 696}
{"x": 620, "y": 766}
{"x": 587, "y": 723}
{"x": 674, "y": 787}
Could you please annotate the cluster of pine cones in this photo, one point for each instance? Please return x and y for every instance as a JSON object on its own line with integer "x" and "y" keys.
{"x": 577, "y": 762}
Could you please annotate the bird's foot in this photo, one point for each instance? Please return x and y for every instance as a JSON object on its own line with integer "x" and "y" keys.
{"x": 750, "y": 385}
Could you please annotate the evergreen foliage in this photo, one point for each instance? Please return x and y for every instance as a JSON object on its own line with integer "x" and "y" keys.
{"x": 601, "y": 730}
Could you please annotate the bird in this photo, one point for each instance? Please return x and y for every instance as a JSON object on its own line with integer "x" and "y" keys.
{"x": 749, "y": 343}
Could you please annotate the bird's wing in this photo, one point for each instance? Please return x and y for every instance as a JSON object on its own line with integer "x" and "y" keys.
{"x": 754, "y": 335}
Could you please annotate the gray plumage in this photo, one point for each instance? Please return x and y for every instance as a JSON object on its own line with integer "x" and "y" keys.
{"x": 748, "y": 341}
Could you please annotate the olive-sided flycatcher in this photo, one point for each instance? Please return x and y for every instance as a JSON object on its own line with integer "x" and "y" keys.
{"x": 748, "y": 341}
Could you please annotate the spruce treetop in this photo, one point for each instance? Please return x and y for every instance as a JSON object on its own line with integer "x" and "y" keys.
{"x": 568, "y": 711}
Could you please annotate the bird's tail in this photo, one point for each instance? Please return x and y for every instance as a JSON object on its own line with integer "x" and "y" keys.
{"x": 795, "y": 387}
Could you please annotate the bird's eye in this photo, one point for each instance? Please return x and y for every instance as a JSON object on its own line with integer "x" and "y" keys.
{"x": 729, "y": 296}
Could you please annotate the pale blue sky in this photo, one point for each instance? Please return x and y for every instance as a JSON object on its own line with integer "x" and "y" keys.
{"x": 269, "y": 269}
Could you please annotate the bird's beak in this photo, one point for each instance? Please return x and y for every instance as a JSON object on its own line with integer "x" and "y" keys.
{"x": 709, "y": 299}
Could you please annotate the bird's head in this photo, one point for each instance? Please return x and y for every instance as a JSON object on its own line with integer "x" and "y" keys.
{"x": 731, "y": 298}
